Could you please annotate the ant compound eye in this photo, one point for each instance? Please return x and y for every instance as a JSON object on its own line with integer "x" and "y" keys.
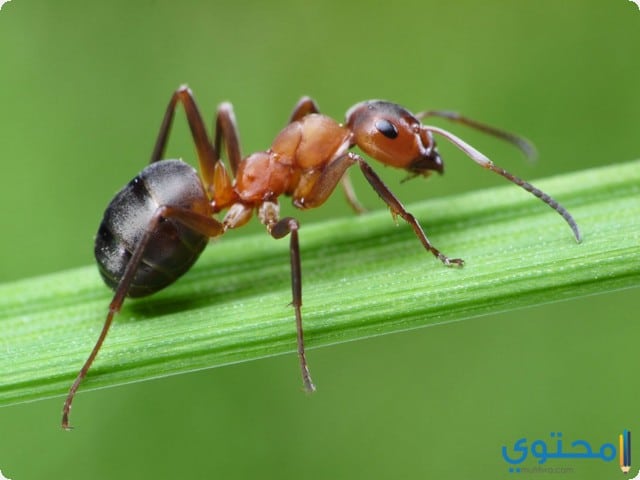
{"x": 386, "y": 128}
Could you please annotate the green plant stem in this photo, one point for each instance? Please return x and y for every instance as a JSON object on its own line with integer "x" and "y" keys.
{"x": 362, "y": 276}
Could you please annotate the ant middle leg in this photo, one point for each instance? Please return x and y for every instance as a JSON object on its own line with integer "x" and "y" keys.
{"x": 207, "y": 155}
{"x": 214, "y": 176}
{"x": 278, "y": 228}
{"x": 226, "y": 130}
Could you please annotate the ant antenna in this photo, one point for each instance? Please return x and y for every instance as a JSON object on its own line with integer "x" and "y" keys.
{"x": 524, "y": 145}
{"x": 485, "y": 162}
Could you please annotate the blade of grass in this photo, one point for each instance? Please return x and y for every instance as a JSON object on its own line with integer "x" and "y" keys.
{"x": 362, "y": 277}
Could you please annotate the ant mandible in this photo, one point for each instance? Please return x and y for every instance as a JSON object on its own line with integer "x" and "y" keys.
{"x": 156, "y": 227}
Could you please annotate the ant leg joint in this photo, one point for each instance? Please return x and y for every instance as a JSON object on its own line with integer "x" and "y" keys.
{"x": 237, "y": 215}
{"x": 269, "y": 214}
{"x": 284, "y": 227}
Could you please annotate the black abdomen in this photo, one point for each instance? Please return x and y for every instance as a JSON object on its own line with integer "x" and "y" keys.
{"x": 173, "y": 247}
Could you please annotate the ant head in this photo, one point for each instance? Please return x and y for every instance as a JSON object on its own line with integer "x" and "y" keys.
{"x": 393, "y": 136}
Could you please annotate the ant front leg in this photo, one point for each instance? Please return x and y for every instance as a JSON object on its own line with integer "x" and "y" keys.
{"x": 397, "y": 208}
{"x": 350, "y": 194}
{"x": 269, "y": 215}
{"x": 306, "y": 106}
{"x": 332, "y": 174}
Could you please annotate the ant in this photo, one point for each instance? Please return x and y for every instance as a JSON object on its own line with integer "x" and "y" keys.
{"x": 155, "y": 228}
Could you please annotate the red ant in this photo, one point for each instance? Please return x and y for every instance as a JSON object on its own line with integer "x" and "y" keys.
{"x": 156, "y": 227}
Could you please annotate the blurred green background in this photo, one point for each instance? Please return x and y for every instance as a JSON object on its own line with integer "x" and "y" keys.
{"x": 83, "y": 86}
